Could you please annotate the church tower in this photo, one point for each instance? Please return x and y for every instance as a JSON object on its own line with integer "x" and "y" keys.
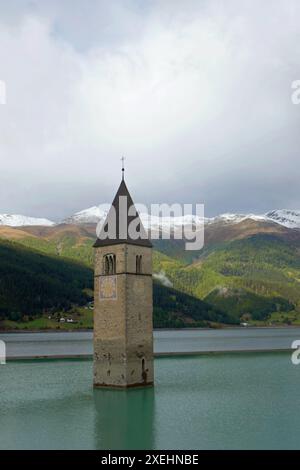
{"x": 123, "y": 330}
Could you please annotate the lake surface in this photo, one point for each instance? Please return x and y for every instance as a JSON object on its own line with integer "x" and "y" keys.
{"x": 224, "y": 401}
{"x": 165, "y": 341}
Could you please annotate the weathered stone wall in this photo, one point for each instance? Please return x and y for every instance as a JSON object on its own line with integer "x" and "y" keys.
{"x": 139, "y": 329}
{"x": 123, "y": 331}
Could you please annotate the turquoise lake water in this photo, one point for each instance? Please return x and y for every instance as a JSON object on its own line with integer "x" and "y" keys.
{"x": 224, "y": 401}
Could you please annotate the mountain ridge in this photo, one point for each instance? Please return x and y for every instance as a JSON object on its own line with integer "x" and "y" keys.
{"x": 285, "y": 217}
{"x": 18, "y": 220}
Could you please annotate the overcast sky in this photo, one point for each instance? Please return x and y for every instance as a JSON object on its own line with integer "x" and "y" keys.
{"x": 195, "y": 94}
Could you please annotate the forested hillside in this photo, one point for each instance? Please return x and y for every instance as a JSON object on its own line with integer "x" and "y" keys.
{"x": 246, "y": 272}
{"x": 252, "y": 277}
{"x": 32, "y": 283}
{"x": 35, "y": 285}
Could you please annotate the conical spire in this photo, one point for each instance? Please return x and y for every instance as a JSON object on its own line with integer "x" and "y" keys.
{"x": 119, "y": 219}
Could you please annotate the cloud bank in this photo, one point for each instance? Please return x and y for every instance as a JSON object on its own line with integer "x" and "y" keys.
{"x": 196, "y": 95}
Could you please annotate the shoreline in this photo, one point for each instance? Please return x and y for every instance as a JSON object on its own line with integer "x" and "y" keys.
{"x": 185, "y": 342}
{"x": 90, "y": 330}
{"x": 156, "y": 355}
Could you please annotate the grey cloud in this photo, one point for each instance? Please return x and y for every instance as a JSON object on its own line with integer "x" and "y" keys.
{"x": 198, "y": 97}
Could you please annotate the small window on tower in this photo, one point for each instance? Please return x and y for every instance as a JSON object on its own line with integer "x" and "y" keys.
{"x": 138, "y": 261}
{"x": 109, "y": 264}
{"x": 105, "y": 265}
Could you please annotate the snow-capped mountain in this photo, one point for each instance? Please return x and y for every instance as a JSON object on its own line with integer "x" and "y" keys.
{"x": 285, "y": 217}
{"x": 15, "y": 220}
{"x": 164, "y": 223}
{"x": 97, "y": 214}
{"x": 236, "y": 218}
{"x": 93, "y": 215}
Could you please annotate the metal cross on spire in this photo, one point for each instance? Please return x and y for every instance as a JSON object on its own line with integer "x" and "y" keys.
{"x": 123, "y": 169}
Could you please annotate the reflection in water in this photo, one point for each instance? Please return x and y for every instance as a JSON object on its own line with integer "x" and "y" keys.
{"x": 230, "y": 401}
{"x": 124, "y": 418}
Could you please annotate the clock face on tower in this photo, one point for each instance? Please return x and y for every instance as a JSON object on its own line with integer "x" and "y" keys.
{"x": 108, "y": 288}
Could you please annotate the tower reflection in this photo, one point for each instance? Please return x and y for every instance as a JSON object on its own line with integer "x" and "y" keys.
{"x": 124, "y": 419}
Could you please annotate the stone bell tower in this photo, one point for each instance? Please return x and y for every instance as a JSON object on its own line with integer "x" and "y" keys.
{"x": 123, "y": 331}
